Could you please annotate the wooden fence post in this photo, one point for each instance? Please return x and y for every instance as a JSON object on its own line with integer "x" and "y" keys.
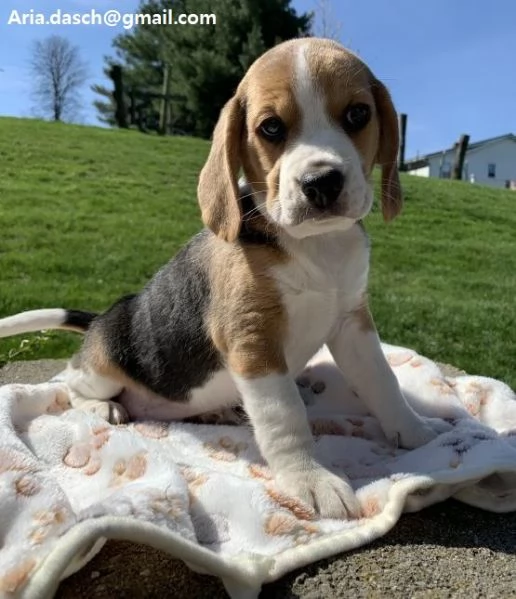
{"x": 460, "y": 155}
{"x": 402, "y": 125}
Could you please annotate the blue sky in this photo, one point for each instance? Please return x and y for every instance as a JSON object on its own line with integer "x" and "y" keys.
{"x": 450, "y": 64}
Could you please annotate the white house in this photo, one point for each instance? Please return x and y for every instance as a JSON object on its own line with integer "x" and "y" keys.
{"x": 489, "y": 162}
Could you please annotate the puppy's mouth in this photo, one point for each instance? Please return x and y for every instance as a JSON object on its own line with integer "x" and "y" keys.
{"x": 296, "y": 213}
{"x": 307, "y": 212}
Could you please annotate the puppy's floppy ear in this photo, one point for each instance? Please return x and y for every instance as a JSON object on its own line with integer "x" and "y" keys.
{"x": 218, "y": 183}
{"x": 387, "y": 155}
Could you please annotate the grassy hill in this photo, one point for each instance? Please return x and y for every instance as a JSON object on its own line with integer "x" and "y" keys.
{"x": 88, "y": 214}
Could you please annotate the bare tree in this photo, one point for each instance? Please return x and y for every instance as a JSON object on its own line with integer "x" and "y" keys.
{"x": 325, "y": 23}
{"x": 58, "y": 74}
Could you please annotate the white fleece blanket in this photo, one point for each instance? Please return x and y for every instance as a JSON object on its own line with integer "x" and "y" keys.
{"x": 202, "y": 493}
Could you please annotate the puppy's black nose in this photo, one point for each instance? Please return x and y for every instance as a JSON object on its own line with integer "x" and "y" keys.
{"x": 323, "y": 188}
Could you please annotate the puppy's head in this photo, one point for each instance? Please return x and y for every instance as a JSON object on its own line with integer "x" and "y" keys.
{"x": 307, "y": 124}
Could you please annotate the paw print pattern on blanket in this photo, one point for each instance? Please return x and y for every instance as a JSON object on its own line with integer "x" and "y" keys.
{"x": 27, "y": 486}
{"x": 151, "y": 430}
{"x": 225, "y": 449}
{"x": 46, "y": 522}
{"x": 208, "y": 485}
{"x": 287, "y": 525}
{"x": 60, "y": 404}
{"x": 85, "y": 454}
{"x": 194, "y": 481}
{"x": 293, "y": 505}
{"x": 167, "y": 506}
{"x": 477, "y": 397}
{"x": 400, "y": 358}
{"x": 16, "y": 577}
{"x": 442, "y": 386}
{"x": 259, "y": 471}
{"x": 371, "y": 506}
{"x": 127, "y": 470}
{"x": 12, "y": 460}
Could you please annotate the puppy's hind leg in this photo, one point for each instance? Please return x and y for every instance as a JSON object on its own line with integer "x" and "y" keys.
{"x": 93, "y": 392}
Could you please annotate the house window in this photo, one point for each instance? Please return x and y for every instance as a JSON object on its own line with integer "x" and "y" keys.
{"x": 491, "y": 170}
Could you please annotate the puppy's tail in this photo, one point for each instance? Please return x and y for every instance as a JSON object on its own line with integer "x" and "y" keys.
{"x": 39, "y": 320}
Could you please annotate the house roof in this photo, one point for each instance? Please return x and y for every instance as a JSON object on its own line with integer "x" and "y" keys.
{"x": 422, "y": 160}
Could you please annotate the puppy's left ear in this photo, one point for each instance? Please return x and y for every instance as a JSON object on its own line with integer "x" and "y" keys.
{"x": 218, "y": 182}
{"x": 387, "y": 156}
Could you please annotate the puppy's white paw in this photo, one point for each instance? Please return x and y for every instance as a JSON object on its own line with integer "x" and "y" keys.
{"x": 419, "y": 431}
{"x": 111, "y": 411}
{"x": 329, "y": 495}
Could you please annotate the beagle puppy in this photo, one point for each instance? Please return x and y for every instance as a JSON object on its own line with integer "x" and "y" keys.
{"x": 280, "y": 270}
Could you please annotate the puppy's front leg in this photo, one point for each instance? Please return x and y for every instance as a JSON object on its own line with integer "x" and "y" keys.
{"x": 281, "y": 429}
{"x": 356, "y": 348}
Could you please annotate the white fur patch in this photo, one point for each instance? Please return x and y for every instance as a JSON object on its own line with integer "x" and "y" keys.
{"x": 31, "y": 321}
{"x": 274, "y": 405}
{"x": 321, "y": 143}
{"x": 218, "y": 393}
{"x": 281, "y": 429}
{"x": 326, "y": 278}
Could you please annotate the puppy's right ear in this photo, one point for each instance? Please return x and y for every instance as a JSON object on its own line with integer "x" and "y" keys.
{"x": 218, "y": 183}
{"x": 391, "y": 195}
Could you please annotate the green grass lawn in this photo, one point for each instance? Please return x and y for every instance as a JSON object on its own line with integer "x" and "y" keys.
{"x": 88, "y": 214}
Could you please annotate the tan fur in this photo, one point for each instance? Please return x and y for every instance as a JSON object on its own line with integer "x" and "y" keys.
{"x": 246, "y": 318}
{"x": 346, "y": 80}
{"x": 94, "y": 355}
{"x": 218, "y": 189}
{"x": 388, "y": 152}
{"x": 265, "y": 91}
{"x": 364, "y": 318}
{"x": 268, "y": 92}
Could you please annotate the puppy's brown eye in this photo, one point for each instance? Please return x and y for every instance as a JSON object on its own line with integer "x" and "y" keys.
{"x": 273, "y": 129}
{"x": 356, "y": 117}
